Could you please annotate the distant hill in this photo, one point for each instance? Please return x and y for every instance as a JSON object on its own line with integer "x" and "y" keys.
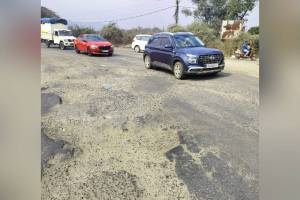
{"x": 47, "y": 13}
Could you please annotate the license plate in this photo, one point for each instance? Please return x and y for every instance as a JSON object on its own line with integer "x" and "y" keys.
{"x": 105, "y": 51}
{"x": 213, "y": 65}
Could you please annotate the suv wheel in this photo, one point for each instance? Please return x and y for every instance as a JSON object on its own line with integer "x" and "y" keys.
{"x": 178, "y": 70}
{"x": 62, "y": 46}
{"x": 137, "y": 49}
{"x": 147, "y": 61}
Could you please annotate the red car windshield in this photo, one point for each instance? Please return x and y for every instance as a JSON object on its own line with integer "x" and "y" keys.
{"x": 94, "y": 38}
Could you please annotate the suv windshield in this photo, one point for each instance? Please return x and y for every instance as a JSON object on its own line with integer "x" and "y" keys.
{"x": 65, "y": 33}
{"x": 184, "y": 41}
{"x": 96, "y": 38}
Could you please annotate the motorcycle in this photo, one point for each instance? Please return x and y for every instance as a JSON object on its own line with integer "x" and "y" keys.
{"x": 239, "y": 54}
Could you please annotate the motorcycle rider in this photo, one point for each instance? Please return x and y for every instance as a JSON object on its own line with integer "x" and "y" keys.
{"x": 246, "y": 48}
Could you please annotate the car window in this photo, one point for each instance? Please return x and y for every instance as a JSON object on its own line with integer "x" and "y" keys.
{"x": 183, "y": 41}
{"x": 145, "y": 38}
{"x": 155, "y": 42}
{"x": 65, "y": 33}
{"x": 138, "y": 38}
{"x": 165, "y": 41}
{"x": 96, "y": 38}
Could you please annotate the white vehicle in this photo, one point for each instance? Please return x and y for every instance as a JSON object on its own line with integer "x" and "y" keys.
{"x": 56, "y": 32}
{"x": 139, "y": 42}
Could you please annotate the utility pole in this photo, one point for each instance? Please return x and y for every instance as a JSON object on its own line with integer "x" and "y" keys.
{"x": 176, "y": 14}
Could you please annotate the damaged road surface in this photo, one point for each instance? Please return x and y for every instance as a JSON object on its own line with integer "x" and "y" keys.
{"x": 112, "y": 129}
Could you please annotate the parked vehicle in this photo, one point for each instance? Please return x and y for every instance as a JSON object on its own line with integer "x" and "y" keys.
{"x": 183, "y": 53}
{"x": 139, "y": 42}
{"x": 55, "y": 32}
{"x": 93, "y": 44}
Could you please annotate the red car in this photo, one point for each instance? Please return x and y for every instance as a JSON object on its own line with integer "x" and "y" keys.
{"x": 93, "y": 44}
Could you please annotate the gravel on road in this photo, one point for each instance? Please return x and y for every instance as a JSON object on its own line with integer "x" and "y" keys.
{"x": 115, "y": 130}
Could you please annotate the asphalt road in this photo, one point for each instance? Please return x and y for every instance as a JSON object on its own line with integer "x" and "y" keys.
{"x": 114, "y": 130}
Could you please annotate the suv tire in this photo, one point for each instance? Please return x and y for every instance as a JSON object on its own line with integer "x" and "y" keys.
{"x": 178, "y": 70}
{"x": 137, "y": 49}
{"x": 147, "y": 61}
{"x": 62, "y": 46}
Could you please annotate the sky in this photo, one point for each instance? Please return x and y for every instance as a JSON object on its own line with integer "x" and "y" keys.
{"x": 94, "y": 12}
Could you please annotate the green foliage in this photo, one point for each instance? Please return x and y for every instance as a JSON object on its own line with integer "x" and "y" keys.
{"x": 176, "y": 28}
{"x": 213, "y": 12}
{"x": 47, "y": 13}
{"x": 112, "y": 33}
{"x": 128, "y": 35}
{"x": 205, "y": 33}
{"x": 254, "y": 30}
{"x": 238, "y": 9}
{"x": 232, "y": 45}
{"x": 77, "y": 30}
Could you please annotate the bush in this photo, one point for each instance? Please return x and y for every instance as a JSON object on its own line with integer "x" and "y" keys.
{"x": 77, "y": 30}
{"x": 206, "y": 34}
{"x": 176, "y": 28}
{"x": 232, "y": 45}
{"x": 128, "y": 35}
{"x": 254, "y": 30}
{"x": 112, "y": 33}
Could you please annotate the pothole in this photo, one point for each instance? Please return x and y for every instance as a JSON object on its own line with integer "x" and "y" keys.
{"x": 49, "y": 100}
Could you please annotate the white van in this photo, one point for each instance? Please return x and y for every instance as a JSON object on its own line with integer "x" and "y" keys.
{"x": 55, "y": 31}
{"x": 139, "y": 42}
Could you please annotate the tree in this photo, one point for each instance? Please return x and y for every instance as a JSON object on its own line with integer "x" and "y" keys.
{"x": 176, "y": 28}
{"x": 77, "y": 30}
{"x": 47, "y": 13}
{"x": 213, "y": 12}
{"x": 112, "y": 33}
{"x": 254, "y": 30}
{"x": 238, "y": 9}
{"x": 176, "y": 14}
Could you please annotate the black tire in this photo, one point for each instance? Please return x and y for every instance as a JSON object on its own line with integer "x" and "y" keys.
{"x": 178, "y": 70}
{"x": 137, "y": 49}
{"x": 62, "y": 46}
{"x": 89, "y": 53}
{"x": 48, "y": 43}
{"x": 147, "y": 61}
{"x": 76, "y": 50}
{"x": 110, "y": 54}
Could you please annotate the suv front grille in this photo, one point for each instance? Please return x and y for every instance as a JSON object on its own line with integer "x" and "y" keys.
{"x": 209, "y": 59}
{"x": 104, "y": 48}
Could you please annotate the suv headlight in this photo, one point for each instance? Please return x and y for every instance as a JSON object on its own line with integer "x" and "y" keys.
{"x": 192, "y": 59}
{"x": 94, "y": 47}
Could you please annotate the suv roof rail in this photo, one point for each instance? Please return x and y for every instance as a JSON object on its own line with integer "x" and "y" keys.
{"x": 164, "y": 33}
{"x": 184, "y": 33}
{"x": 176, "y": 33}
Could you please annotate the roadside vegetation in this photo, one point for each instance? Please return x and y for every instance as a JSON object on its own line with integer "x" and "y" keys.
{"x": 206, "y": 25}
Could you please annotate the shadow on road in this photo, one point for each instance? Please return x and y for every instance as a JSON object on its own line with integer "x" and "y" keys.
{"x": 195, "y": 77}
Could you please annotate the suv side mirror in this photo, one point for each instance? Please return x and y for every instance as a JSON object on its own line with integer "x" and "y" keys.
{"x": 84, "y": 41}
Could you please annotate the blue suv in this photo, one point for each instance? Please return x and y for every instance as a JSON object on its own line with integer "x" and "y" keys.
{"x": 183, "y": 53}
